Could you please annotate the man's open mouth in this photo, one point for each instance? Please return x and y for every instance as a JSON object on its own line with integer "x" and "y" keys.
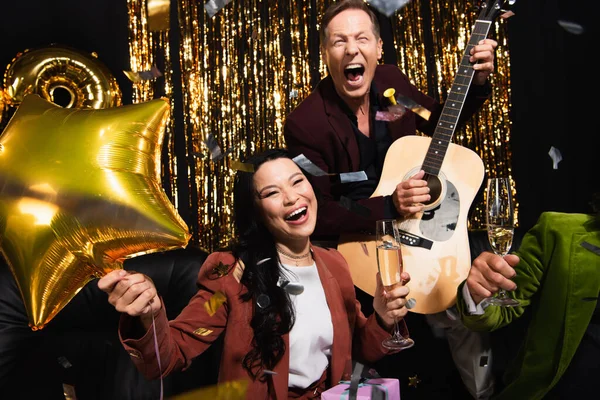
{"x": 354, "y": 72}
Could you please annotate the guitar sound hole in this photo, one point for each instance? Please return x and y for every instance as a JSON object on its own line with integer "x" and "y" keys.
{"x": 435, "y": 188}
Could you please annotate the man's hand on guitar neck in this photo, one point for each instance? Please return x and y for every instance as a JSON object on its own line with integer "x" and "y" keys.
{"x": 482, "y": 56}
{"x": 410, "y": 195}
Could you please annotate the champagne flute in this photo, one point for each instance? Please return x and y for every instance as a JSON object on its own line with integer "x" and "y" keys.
{"x": 500, "y": 227}
{"x": 389, "y": 261}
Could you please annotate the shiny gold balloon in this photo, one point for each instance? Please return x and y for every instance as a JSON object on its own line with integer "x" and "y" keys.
{"x": 2, "y": 102}
{"x": 80, "y": 192}
{"x": 79, "y": 78}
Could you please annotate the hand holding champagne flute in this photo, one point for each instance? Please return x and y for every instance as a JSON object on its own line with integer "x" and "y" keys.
{"x": 389, "y": 262}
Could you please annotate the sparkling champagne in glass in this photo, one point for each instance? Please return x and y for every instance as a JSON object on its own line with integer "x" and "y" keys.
{"x": 500, "y": 227}
{"x": 389, "y": 261}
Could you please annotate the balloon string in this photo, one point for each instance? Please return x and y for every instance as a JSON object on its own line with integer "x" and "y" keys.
{"x": 157, "y": 356}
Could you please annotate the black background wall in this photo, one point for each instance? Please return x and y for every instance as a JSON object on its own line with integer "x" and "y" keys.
{"x": 553, "y": 91}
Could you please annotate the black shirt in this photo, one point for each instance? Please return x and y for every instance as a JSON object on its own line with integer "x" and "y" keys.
{"x": 372, "y": 151}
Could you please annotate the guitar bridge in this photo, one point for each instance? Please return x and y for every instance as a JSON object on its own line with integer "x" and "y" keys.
{"x": 412, "y": 240}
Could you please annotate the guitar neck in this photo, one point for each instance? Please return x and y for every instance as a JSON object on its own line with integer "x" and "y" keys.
{"x": 453, "y": 105}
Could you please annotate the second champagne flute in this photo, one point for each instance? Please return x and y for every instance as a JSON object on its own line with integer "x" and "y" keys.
{"x": 389, "y": 262}
{"x": 500, "y": 227}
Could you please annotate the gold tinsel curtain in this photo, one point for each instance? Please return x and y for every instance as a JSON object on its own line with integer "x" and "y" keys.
{"x": 243, "y": 70}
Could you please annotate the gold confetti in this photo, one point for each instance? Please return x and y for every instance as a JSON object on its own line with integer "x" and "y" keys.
{"x": 213, "y": 304}
{"x": 234, "y": 390}
{"x": 413, "y": 381}
{"x": 158, "y": 15}
{"x": 69, "y": 392}
{"x": 203, "y": 332}
{"x": 240, "y": 166}
{"x": 221, "y": 270}
{"x": 153, "y": 73}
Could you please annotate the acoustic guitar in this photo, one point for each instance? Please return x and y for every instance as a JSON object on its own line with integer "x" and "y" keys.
{"x": 435, "y": 243}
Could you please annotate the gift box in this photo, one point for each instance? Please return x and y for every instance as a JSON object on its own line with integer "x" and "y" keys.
{"x": 391, "y": 388}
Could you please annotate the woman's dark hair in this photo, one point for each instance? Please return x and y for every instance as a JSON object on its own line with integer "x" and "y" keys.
{"x": 273, "y": 311}
{"x": 343, "y": 5}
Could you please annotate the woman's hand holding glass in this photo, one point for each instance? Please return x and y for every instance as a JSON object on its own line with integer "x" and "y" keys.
{"x": 390, "y": 279}
{"x": 391, "y": 306}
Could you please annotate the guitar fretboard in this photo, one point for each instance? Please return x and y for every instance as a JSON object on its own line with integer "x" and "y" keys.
{"x": 453, "y": 104}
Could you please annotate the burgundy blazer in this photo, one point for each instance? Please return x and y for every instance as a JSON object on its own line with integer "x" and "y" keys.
{"x": 198, "y": 326}
{"x": 319, "y": 129}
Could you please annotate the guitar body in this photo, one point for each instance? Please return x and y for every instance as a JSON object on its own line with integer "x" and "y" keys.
{"x": 435, "y": 245}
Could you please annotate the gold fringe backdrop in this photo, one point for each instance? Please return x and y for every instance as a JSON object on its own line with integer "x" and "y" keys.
{"x": 246, "y": 68}
{"x": 243, "y": 71}
{"x": 146, "y": 47}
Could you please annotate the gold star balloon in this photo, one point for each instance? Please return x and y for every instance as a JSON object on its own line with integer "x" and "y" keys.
{"x": 80, "y": 192}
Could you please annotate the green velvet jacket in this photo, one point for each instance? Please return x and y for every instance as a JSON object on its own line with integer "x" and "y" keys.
{"x": 559, "y": 278}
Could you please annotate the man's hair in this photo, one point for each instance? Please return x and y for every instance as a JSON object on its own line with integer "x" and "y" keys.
{"x": 343, "y": 5}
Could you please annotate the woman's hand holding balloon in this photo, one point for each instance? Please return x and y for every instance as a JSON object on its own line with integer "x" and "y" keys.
{"x": 132, "y": 293}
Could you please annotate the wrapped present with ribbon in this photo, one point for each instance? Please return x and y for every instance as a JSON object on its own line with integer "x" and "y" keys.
{"x": 369, "y": 389}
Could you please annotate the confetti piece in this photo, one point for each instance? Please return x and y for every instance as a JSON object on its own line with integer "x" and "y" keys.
{"x": 264, "y": 260}
{"x": 303, "y": 162}
{"x": 215, "y": 301}
{"x": 158, "y": 15}
{"x": 220, "y": 270}
{"x": 269, "y": 372}
{"x": 388, "y": 116}
{"x": 240, "y": 166}
{"x": 411, "y": 303}
{"x": 293, "y": 288}
{"x": 69, "y": 392}
{"x": 357, "y": 176}
{"x": 308, "y": 165}
{"x": 365, "y": 249}
{"x": 591, "y": 247}
{"x": 388, "y": 7}
{"x": 213, "y": 146}
{"x": 555, "y": 155}
{"x": 136, "y": 77}
{"x": 413, "y": 106}
{"x": 212, "y": 7}
{"x": 233, "y": 390}
{"x": 413, "y": 381}
{"x": 62, "y": 360}
{"x": 203, "y": 332}
{"x": 571, "y": 27}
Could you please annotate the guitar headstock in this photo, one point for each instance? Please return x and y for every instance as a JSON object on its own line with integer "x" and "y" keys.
{"x": 490, "y": 9}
